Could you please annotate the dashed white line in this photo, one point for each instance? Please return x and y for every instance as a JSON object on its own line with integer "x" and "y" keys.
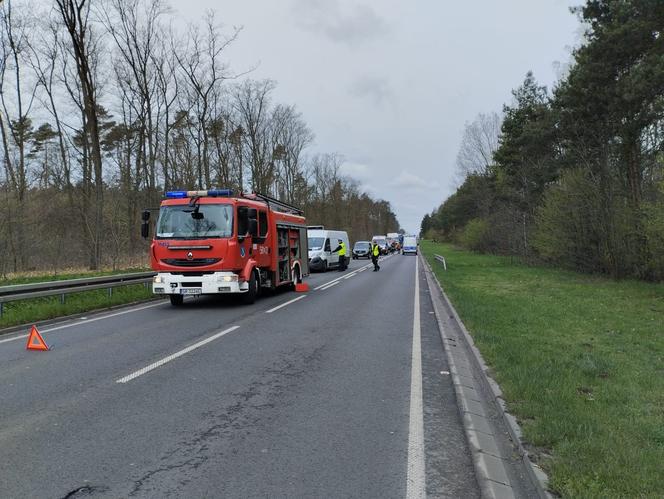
{"x": 416, "y": 480}
{"x": 174, "y": 356}
{"x": 324, "y": 285}
{"x": 284, "y": 304}
{"x": 330, "y": 286}
{"x": 48, "y": 330}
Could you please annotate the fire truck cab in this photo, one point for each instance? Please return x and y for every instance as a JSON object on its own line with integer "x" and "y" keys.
{"x": 210, "y": 242}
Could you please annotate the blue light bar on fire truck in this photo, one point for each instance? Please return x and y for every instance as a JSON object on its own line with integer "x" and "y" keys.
{"x": 191, "y": 194}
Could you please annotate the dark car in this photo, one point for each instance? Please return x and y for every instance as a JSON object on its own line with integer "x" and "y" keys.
{"x": 362, "y": 249}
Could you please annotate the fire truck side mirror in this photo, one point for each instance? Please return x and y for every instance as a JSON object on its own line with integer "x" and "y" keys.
{"x": 145, "y": 224}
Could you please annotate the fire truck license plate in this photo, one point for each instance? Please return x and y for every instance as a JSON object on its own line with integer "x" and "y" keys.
{"x": 190, "y": 291}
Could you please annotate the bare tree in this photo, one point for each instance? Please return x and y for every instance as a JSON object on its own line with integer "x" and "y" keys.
{"x": 252, "y": 104}
{"x": 292, "y": 136}
{"x": 75, "y": 19}
{"x": 15, "y": 123}
{"x": 204, "y": 70}
{"x": 46, "y": 60}
{"x": 136, "y": 29}
{"x": 479, "y": 143}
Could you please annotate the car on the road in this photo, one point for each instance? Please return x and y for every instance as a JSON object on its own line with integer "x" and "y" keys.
{"x": 362, "y": 249}
{"x": 322, "y": 244}
{"x": 409, "y": 245}
{"x": 381, "y": 241}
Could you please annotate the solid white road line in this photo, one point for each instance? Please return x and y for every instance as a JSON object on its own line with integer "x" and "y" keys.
{"x": 14, "y": 338}
{"x": 284, "y": 304}
{"x": 174, "y": 356}
{"x": 416, "y": 480}
{"x": 330, "y": 286}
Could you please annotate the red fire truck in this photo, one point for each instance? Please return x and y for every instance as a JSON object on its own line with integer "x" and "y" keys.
{"x": 210, "y": 242}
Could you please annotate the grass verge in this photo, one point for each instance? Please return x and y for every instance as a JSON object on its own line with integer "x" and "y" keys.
{"x": 29, "y": 278}
{"x": 580, "y": 360}
{"x": 39, "y": 309}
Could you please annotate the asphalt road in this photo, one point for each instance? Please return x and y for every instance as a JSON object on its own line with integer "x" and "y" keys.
{"x": 317, "y": 397}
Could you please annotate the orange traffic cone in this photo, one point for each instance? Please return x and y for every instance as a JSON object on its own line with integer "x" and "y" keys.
{"x": 301, "y": 287}
{"x": 35, "y": 340}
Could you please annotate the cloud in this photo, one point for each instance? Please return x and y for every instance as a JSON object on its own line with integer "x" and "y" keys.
{"x": 352, "y": 25}
{"x": 412, "y": 182}
{"x": 357, "y": 171}
{"x": 374, "y": 88}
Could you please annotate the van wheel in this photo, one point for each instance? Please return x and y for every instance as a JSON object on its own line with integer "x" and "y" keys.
{"x": 176, "y": 300}
{"x": 249, "y": 297}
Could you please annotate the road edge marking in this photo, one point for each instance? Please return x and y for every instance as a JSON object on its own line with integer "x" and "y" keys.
{"x": 85, "y": 321}
{"x": 416, "y": 480}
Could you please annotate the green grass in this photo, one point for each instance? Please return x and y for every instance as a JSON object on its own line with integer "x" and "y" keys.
{"x": 580, "y": 360}
{"x": 38, "y": 309}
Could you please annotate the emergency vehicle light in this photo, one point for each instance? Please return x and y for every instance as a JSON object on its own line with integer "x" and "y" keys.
{"x": 189, "y": 194}
{"x": 176, "y": 194}
{"x": 220, "y": 192}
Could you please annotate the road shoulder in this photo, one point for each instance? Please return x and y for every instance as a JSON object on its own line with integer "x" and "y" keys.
{"x": 501, "y": 463}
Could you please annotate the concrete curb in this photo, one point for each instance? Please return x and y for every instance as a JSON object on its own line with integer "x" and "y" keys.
{"x": 488, "y": 464}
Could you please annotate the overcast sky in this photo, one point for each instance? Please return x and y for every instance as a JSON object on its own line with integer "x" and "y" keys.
{"x": 389, "y": 84}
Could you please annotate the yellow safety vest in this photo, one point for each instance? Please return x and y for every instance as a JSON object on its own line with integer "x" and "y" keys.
{"x": 342, "y": 251}
{"x": 376, "y": 250}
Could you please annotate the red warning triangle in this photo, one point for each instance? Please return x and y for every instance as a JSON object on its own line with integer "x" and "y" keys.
{"x": 35, "y": 341}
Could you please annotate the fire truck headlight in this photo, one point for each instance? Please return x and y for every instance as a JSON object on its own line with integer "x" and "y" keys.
{"x": 227, "y": 278}
{"x": 157, "y": 279}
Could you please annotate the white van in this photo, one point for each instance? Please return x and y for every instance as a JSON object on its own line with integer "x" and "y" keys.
{"x": 322, "y": 243}
{"x": 409, "y": 245}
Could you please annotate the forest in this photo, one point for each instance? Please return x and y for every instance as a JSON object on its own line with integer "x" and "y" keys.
{"x": 104, "y": 105}
{"x": 573, "y": 176}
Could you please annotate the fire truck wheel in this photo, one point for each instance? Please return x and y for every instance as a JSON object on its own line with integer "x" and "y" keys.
{"x": 176, "y": 300}
{"x": 250, "y": 296}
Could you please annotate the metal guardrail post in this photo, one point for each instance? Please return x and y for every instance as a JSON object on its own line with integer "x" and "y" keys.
{"x": 441, "y": 259}
{"x": 17, "y": 292}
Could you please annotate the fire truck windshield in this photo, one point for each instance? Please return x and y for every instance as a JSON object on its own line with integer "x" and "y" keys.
{"x": 200, "y": 222}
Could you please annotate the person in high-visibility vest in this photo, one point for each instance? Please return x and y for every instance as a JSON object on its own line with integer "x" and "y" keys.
{"x": 341, "y": 249}
{"x": 375, "y": 253}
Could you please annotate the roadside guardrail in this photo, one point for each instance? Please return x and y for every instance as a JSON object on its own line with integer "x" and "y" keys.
{"x": 16, "y": 292}
{"x": 441, "y": 259}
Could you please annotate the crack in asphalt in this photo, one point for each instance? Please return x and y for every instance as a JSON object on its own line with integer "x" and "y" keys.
{"x": 235, "y": 419}
{"x": 87, "y": 490}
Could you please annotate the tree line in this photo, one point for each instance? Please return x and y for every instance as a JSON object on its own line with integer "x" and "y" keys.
{"x": 574, "y": 176}
{"x": 104, "y": 105}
